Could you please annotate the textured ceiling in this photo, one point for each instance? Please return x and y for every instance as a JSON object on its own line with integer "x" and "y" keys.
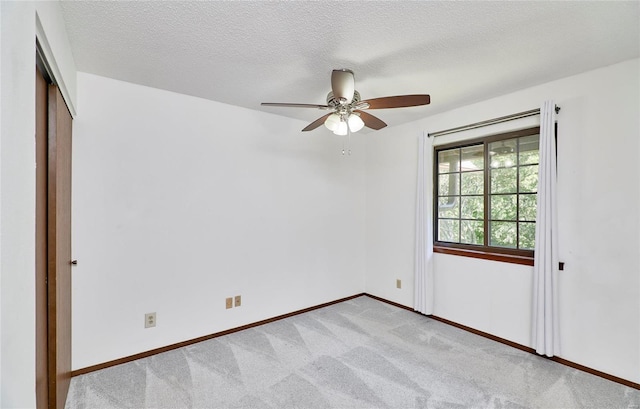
{"x": 246, "y": 52}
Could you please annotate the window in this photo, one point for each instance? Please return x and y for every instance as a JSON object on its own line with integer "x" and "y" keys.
{"x": 485, "y": 197}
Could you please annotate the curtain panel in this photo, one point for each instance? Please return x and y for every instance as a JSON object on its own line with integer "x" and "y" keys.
{"x": 545, "y": 269}
{"x": 423, "y": 297}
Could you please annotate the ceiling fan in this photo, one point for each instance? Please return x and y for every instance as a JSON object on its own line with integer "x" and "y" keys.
{"x": 347, "y": 108}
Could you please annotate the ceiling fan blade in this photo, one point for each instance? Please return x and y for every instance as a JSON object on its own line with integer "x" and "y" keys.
{"x": 284, "y": 104}
{"x": 399, "y": 101}
{"x": 371, "y": 121}
{"x": 343, "y": 85}
{"x": 313, "y": 125}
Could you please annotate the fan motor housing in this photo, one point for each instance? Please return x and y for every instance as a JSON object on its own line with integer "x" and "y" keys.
{"x": 331, "y": 101}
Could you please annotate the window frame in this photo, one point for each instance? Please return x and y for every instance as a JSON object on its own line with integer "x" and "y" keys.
{"x": 487, "y": 252}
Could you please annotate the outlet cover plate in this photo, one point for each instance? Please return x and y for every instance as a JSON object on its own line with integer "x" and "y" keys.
{"x": 238, "y": 300}
{"x": 150, "y": 320}
{"x": 229, "y": 303}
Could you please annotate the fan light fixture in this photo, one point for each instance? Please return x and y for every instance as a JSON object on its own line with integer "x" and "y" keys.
{"x": 341, "y": 129}
{"x": 337, "y": 123}
{"x": 332, "y": 122}
{"x": 355, "y": 122}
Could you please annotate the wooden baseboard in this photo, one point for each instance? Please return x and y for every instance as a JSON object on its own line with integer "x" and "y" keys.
{"x": 160, "y": 350}
{"x": 518, "y": 346}
{"x": 395, "y": 304}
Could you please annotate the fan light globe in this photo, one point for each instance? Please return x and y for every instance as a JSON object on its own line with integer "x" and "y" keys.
{"x": 355, "y": 122}
{"x": 332, "y": 122}
{"x": 341, "y": 129}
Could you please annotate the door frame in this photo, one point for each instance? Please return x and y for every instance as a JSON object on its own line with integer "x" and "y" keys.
{"x": 41, "y": 216}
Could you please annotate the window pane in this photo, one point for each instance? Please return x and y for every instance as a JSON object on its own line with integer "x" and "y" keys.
{"x": 448, "y": 207}
{"x": 449, "y": 184}
{"x": 448, "y": 161}
{"x": 529, "y": 178}
{"x": 472, "y": 183}
{"x": 448, "y": 230}
{"x": 528, "y": 208}
{"x": 473, "y": 207}
{"x": 503, "y": 180}
{"x": 472, "y": 158}
{"x": 527, "y": 236}
{"x": 472, "y": 232}
{"x": 496, "y": 215}
{"x": 503, "y": 234}
{"x": 503, "y": 207}
{"x": 529, "y": 150}
{"x": 503, "y": 153}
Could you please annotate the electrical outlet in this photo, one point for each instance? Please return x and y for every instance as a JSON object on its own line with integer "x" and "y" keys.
{"x": 398, "y": 283}
{"x": 229, "y": 302}
{"x": 238, "y": 300}
{"x": 150, "y": 320}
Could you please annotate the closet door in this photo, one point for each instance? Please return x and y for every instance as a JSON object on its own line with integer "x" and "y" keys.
{"x": 59, "y": 244}
{"x": 53, "y": 246}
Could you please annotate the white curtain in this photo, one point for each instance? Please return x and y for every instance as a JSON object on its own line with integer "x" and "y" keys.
{"x": 545, "y": 268}
{"x": 423, "y": 299}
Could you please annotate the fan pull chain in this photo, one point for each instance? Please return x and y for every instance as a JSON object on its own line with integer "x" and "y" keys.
{"x": 347, "y": 138}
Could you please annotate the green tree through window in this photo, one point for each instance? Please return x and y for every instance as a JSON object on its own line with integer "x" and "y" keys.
{"x": 486, "y": 193}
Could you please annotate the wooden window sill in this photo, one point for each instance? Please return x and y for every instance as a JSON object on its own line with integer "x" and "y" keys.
{"x": 485, "y": 255}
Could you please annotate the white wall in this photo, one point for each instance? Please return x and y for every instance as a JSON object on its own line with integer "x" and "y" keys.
{"x": 598, "y": 182}
{"x": 1, "y": 224}
{"x": 17, "y": 186}
{"x": 179, "y": 202}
